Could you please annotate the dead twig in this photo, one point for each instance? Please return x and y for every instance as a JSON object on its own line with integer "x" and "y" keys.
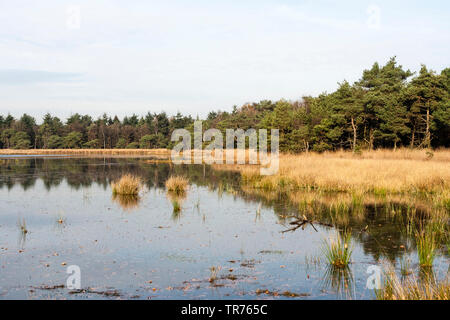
{"x": 302, "y": 222}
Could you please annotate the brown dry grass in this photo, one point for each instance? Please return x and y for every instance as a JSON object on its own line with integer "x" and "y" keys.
{"x": 177, "y": 184}
{"x": 388, "y": 154}
{"x": 412, "y": 288}
{"x": 127, "y": 185}
{"x": 380, "y": 172}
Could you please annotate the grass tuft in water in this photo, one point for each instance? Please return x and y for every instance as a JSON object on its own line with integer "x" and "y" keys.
{"x": 426, "y": 245}
{"x": 127, "y": 185}
{"x": 177, "y": 184}
{"x": 213, "y": 273}
{"x": 22, "y": 226}
{"x": 338, "y": 250}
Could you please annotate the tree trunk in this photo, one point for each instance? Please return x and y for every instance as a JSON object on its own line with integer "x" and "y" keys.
{"x": 354, "y": 135}
{"x": 427, "y": 134}
{"x": 104, "y": 140}
{"x": 413, "y": 136}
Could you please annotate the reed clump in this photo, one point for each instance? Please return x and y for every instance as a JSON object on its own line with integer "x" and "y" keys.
{"x": 338, "y": 249}
{"x": 177, "y": 184}
{"x": 426, "y": 245}
{"x": 214, "y": 272}
{"x": 127, "y": 185}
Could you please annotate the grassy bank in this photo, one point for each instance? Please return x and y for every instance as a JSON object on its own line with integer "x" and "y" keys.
{"x": 378, "y": 172}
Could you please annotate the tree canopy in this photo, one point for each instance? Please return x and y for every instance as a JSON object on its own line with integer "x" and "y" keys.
{"x": 388, "y": 107}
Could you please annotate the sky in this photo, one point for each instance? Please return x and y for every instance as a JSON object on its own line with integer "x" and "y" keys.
{"x": 125, "y": 57}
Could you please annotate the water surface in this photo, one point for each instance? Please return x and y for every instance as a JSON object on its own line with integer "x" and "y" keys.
{"x": 140, "y": 249}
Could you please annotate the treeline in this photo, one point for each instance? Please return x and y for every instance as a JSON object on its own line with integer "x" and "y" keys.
{"x": 82, "y": 131}
{"x": 388, "y": 107}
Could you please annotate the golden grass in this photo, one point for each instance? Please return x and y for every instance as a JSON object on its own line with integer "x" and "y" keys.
{"x": 380, "y": 172}
{"x": 127, "y": 185}
{"x": 413, "y": 289}
{"x": 85, "y": 152}
{"x": 388, "y": 154}
{"x": 177, "y": 184}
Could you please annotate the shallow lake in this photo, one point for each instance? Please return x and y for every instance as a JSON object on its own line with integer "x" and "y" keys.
{"x": 224, "y": 244}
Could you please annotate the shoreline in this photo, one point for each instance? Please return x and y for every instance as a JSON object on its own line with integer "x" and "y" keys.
{"x": 86, "y": 152}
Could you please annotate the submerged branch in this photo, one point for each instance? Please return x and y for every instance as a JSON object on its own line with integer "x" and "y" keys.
{"x": 302, "y": 222}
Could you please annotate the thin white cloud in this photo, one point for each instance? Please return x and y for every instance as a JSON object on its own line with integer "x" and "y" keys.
{"x": 25, "y": 77}
{"x": 152, "y": 55}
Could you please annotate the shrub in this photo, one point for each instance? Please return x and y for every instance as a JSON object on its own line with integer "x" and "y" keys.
{"x": 93, "y": 144}
{"x": 133, "y": 145}
{"x": 121, "y": 143}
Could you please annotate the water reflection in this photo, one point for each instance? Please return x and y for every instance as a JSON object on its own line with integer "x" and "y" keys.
{"x": 23, "y": 232}
{"x": 127, "y": 202}
{"x": 176, "y": 199}
{"x": 383, "y": 217}
{"x": 83, "y": 172}
{"x": 339, "y": 280}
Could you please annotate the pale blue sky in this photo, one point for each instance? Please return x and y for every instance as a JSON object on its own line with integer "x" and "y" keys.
{"x": 128, "y": 57}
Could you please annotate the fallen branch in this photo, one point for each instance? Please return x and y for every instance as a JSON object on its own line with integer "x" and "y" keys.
{"x": 302, "y": 222}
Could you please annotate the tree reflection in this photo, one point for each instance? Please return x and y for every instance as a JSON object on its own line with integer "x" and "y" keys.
{"x": 382, "y": 238}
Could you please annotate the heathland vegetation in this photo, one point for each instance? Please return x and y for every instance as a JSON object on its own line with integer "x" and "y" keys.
{"x": 388, "y": 107}
{"x": 380, "y": 172}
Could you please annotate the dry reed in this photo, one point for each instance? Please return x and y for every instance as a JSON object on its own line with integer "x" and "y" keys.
{"x": 383, "y": 172}
{"x": 177, "y": 184}
{"x": 411, "y": 288}
{"x": 127, "y": 185}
